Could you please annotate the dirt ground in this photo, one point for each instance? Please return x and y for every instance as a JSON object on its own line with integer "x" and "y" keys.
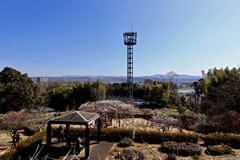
{"x": 6, "y": 140}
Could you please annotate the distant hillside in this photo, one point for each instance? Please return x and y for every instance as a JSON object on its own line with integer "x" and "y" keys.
{"x": 119, "y": 79}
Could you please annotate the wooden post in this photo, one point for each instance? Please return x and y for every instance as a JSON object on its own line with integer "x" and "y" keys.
{"x": 67, "y": 135}
{"x": 99, "y": 130}
{"x": 49, "y": 136}
{"x": 87, "y": 139}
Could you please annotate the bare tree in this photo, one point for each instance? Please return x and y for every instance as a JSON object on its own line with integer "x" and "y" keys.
{"x": 14, "y": 121}
{"x": 109, "y": 110}
{"x": 164, "y": 121}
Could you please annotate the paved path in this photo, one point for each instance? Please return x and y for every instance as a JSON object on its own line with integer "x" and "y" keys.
{"x": 100, "y": 151}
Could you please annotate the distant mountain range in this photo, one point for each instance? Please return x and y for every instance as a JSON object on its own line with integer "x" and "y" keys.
{"x": 182, "y": 78}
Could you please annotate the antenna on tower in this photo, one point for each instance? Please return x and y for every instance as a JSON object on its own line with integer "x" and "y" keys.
{"x": 131, "y": 26}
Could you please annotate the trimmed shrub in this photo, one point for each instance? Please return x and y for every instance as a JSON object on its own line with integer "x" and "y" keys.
{"x": 232, "y": 140}
{"x": 125, "y": 142}
{"x": 157, "y": 137}
{"x": 116, "y": 134}
{"x": 129, "y": 154}
{"x": 219, "y": 150}
{"x": 153, "y": 137}
{"x": 182, "y": 148}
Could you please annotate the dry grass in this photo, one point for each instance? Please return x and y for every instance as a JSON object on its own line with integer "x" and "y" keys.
{"x": 6, "y": 140}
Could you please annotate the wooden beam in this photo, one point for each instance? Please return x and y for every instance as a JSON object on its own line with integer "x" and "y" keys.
{"x": 87, "y": 140}
{"x": 99, "y": 130}
{"x": 49, "y": 135}
{"x": 67, "y": 135}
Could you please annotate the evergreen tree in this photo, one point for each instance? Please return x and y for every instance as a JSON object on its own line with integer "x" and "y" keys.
{"x": 17, "y": 91}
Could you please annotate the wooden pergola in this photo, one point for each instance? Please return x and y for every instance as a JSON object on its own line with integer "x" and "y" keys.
{"x": 76, "y": 118}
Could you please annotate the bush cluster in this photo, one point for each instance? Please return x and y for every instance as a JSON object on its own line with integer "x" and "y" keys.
{"x": 125, "y": 142}
{"x": 219, "y": 150}
{"x": 129, "y": 154}
{"x": 232, "y": 140}
{"x": 182, "y": 148}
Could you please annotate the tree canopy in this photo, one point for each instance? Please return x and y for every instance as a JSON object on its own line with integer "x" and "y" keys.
{"x": 73, "y": 95}
{"x": 221, "y": 90}
{"x": 17, "y": 91}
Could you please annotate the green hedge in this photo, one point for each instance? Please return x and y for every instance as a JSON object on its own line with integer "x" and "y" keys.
{"x": 232, "y": 140}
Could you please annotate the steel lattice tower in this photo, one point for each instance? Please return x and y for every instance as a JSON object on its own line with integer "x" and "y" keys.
{"x": 130, "y": 39}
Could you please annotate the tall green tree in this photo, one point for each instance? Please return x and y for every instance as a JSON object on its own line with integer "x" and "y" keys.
{"x": 221, "y": 90}
{"x": 73, "y": 95}
{"x": 98, "y": 91}
{"x": 59, "y": 97}
{"x": 159, "y": 94}
{"x": 17, "y": 91}
{"x": 116, "y": 89}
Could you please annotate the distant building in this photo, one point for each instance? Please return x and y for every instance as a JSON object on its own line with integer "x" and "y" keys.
{"x": 148, "y": 82}
{"x": 42, "y": 79}
{"x": 43, "y": 83}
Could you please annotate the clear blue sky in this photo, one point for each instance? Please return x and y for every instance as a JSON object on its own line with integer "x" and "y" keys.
{"x": 85, "y": 37}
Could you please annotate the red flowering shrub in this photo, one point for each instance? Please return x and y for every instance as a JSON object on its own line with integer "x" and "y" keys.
{"x": 227, "y": 123}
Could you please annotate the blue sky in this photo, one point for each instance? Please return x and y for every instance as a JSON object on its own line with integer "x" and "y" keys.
{"x": 85, "y": 37}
